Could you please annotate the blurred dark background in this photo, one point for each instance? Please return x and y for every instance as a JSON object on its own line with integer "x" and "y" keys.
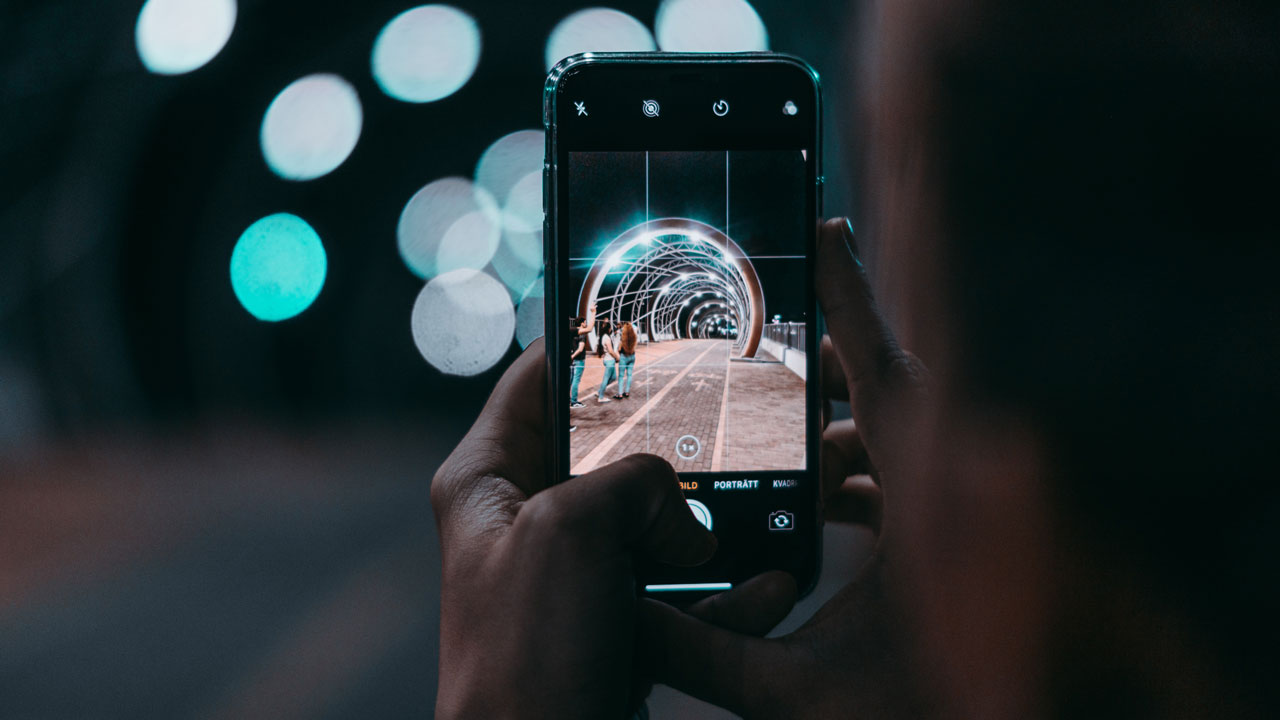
{"x": 207, "y": 515}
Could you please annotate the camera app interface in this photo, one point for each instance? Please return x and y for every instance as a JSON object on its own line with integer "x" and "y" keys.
{"x": 688, "y": 283}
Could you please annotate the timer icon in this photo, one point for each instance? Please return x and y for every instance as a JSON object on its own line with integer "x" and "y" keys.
{"x": 720, "y": 108}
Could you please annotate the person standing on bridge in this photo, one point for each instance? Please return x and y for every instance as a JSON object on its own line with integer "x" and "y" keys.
{"x": 577, "y": 357}
{"x": 626, "y": 366}
{"x": 606, "y": 348}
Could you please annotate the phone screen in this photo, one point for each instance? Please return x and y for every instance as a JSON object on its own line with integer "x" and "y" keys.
{"x": 684, "y": 303}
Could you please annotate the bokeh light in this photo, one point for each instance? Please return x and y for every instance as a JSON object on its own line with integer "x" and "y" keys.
{"x": 311, "y": 127}
{"x": 178, "y": 36}
{"x": 447, "y": 225}
{"x": 508, "y": 160}
{"x": 278, "y": 267}
{"x": 710, "y": 26}
{"x": 518, "y": 260}
{"x": 597, "y": 30}
{"x": 522, "y": 210}
{"x": 530, "y": 317}
{"x": 426, "y": 53}
{"x": 463, "y": 322}
{"x": 511, "y": 170}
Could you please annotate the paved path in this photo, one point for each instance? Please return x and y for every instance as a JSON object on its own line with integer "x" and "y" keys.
{"x": 742, "y": 415}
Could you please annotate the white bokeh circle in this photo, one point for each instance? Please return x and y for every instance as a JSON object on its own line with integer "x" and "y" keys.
{"x": 508, "y": 159}
{"x": 311, "y": 127}
{"x": 522, "y": 211}
{"x": 597, "y": 30}
{"x": 519, "y": 257}
{"x": 511, "y": 169}
{"x": 178, "y": 36}
{"x": 530, "y": 315}
{"x": 709, "y": 26}
{"x": 449, "y": 224}
{"x": 463, "y": 322}
{"x": 426, "y": 53}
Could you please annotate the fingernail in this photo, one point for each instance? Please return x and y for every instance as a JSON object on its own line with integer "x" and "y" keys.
{"x": 850, "y": 242}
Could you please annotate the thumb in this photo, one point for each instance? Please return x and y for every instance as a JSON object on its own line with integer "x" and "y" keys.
{"x": 633, "y": 504}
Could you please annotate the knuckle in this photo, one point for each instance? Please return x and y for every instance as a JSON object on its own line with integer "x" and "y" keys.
{"x": 550, "y": 519}
{"x": 651, "y": 468}
{"x": 442, "y": 487}
{"x": 457, "y": 481}
{"x": 900, "y": 370}
{"x": 832, "y": 451}
{"x": 559, "y": 528}
{"x": 543, "y": 511}
{"x": 652, "y": 479}
{"x": 461, "y": 467}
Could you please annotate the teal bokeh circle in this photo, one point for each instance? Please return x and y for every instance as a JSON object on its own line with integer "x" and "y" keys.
{"x": 278, "y": 267}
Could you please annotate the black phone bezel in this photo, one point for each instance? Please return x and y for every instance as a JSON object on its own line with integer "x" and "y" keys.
{"x": 630, "y": 131}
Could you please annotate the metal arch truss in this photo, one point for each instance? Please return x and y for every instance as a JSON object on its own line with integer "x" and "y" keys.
{"x": 678, "y": 278}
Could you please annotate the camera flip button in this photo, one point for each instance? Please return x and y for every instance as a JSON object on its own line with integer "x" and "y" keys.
{"x": 781, "y": 521}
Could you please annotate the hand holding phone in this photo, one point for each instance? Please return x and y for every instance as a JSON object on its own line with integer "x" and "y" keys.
{"x": 853, "y": 657}
{"x": 537, "y": 612}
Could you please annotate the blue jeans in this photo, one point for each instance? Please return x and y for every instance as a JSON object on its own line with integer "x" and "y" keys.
{"x": 625, "y": 370}
{"x": 577, "y": 375}
{"x": 609, "y": 375}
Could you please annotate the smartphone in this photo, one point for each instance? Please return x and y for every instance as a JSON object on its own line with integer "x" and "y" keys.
{"x": 683, "y": 194}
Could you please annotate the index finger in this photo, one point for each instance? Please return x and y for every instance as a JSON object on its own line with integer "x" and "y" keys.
{"x": 859, "y": 334}
{"x": 834, "y": 386}
{"x": 882, "y": 379}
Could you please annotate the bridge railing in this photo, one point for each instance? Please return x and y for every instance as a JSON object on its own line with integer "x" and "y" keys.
{"x": 791, "y": 335}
